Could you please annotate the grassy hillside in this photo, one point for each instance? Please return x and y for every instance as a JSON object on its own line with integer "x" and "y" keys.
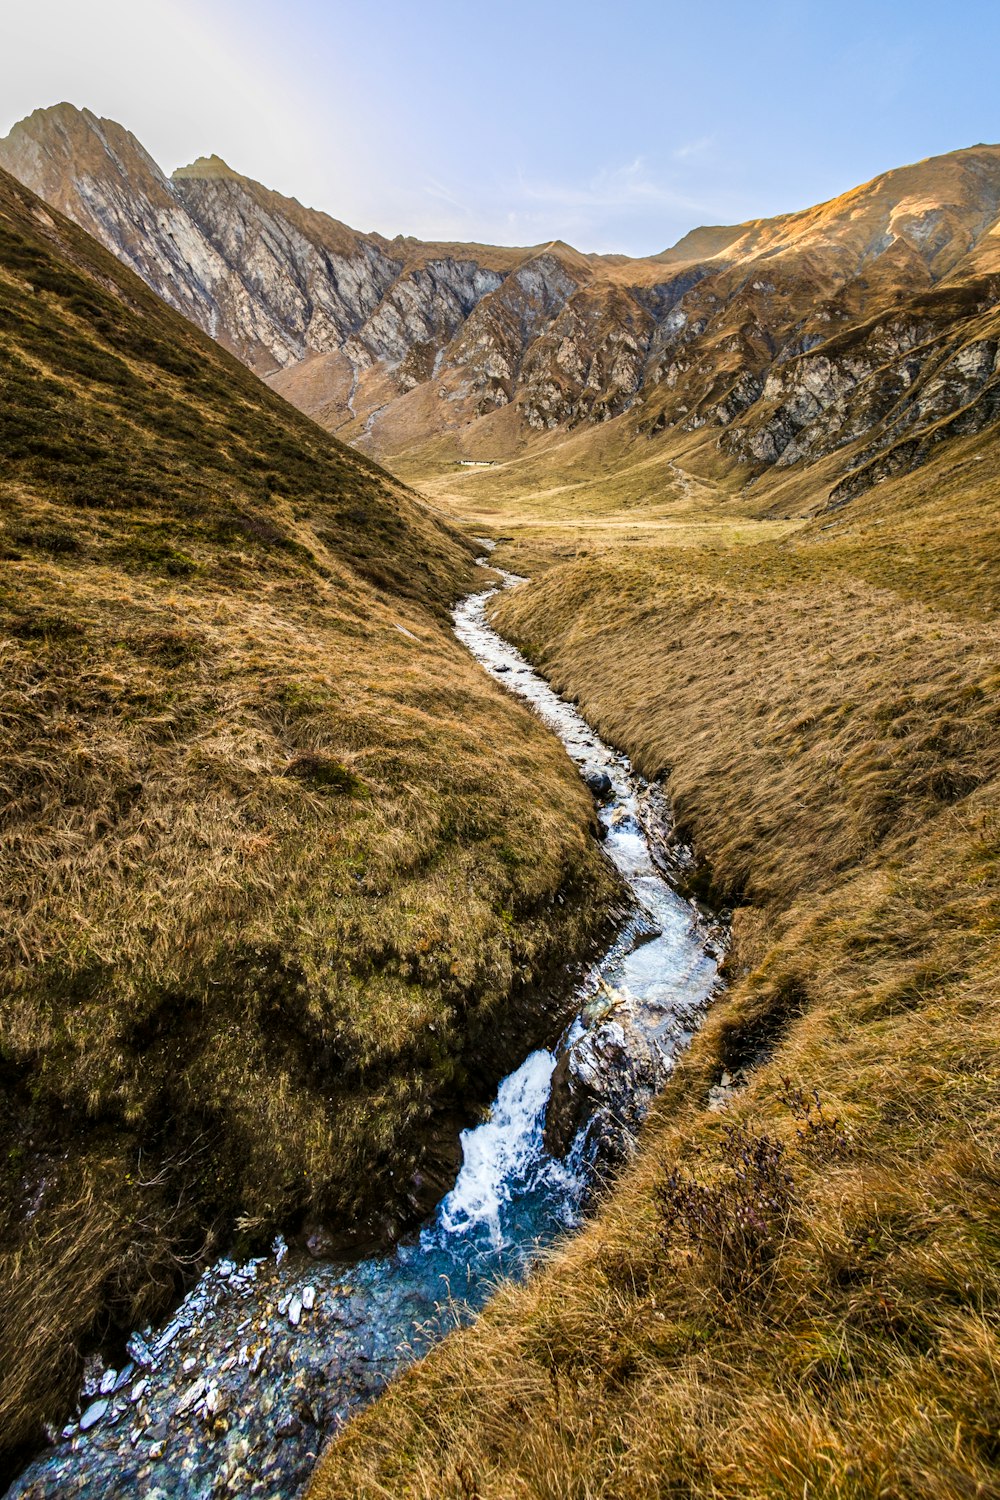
{"x": 795, "y": 1289}
{"x": 276, "y": 900}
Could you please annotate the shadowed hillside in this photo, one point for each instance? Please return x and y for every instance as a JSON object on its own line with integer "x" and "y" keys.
{"x": 277, "y": 904}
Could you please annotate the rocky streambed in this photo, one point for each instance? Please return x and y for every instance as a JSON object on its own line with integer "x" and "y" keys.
{"x": 263, "y": 1361}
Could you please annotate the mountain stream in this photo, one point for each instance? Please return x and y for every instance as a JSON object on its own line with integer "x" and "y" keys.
{"x": 263, "y": 1362}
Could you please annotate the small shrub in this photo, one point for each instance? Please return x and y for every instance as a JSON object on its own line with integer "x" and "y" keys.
{"x": 42, "y": 625}
{"x": 155, "y": 557}
{"x": 325, "y": 774}
{"x": 169, "y": 647}
{"x": 47, "y": 539}
{"x": 821, "y": 1134}
{"x": 736, "y": 1224}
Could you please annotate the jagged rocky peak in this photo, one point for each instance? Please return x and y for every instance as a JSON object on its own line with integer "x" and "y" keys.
{"x": 794, "y": 336}
{"x": 204, "y": 166}
{"x": 66, "y": 147}
{"x": 97, "y": 173}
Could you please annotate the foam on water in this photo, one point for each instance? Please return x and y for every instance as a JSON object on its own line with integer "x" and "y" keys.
{"x": 498, "y": 1157}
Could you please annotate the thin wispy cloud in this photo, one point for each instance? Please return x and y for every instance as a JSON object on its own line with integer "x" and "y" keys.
{"x": 377, "y": 114}
{"x": 621, "y": 187}
{"x": 443, "y": 194}
{"x": 701, "y": 147}
{"x": 527, "y": 209}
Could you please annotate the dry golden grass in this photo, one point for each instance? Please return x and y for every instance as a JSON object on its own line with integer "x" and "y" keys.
{"x": 278, "y": 863}
{"x": 826, "y": 711}
{"x": 592, "y": 475}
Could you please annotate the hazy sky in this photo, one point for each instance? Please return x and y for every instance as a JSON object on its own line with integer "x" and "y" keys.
{"x": 616, "y": 126}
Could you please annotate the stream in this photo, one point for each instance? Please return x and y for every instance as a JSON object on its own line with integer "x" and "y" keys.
{"x": 264, "y": 1361}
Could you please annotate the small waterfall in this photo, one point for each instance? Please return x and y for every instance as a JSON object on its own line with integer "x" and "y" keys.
{"x": 499, "y": 1156}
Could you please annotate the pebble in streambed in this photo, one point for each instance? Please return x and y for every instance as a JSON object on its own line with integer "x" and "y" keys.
{"x": 262, "y": 1362}
{"x": 259, "y": 1365}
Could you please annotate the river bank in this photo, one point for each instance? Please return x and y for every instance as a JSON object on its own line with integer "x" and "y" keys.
{"x": 795, "y": 1286}
{"x": 280, "y": 867}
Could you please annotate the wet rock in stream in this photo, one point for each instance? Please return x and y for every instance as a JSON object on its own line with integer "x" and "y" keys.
{"x": 599, "y": 783}
{"x": 602, "y": 1086}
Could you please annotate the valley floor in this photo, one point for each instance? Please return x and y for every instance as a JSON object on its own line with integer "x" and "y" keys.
{"x": 795, "y": 1288}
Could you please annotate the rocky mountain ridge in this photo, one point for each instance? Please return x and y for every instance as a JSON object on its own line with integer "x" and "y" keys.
{"x": 868, "y": 318}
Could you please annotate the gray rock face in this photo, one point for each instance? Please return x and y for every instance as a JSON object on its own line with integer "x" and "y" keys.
{"x": 310, "y": 290}
{"x": 890, "y": 386}
{"x": 421, "y": 311}
{"x": 273, "y": 281}
{"x": 608, "y": 1079}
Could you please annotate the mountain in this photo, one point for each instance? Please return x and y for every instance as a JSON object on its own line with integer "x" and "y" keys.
{"x": 273, "y": 281}
{"x": 277, "y": 907}
{"x": 867, "y": 316}
{"x": 261, "y": 845}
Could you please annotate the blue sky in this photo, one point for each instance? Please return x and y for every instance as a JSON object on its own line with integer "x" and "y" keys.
{"x": 615, "y": 126}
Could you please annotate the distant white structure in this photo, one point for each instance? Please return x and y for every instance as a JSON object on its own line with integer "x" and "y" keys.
{"x": 476, "y": 463}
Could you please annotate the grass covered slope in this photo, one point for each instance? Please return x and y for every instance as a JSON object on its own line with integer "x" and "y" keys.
{"x": 795, "y": 1290}
{"x": 279, "y": 865}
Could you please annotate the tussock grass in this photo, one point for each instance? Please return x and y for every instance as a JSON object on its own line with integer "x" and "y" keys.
{"x": 795, "y": 1288}
{"x": 278, "y": 880}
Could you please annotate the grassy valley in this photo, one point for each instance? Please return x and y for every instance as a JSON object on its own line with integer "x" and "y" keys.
{"x": 283, "y": 873}
{"x": 288, "y": 884}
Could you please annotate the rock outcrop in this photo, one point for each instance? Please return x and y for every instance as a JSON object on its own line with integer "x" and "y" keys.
{"x": 866, "y": 319}
{"x": 605, "y": 1081}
